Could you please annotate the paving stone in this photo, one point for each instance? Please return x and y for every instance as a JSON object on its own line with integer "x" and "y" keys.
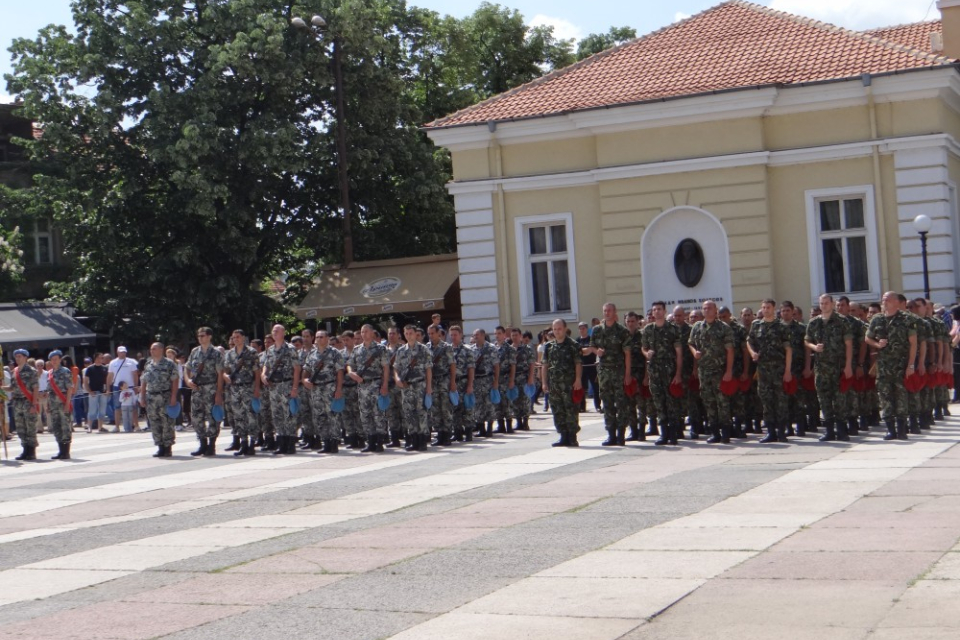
{"x": 836, "y": 565}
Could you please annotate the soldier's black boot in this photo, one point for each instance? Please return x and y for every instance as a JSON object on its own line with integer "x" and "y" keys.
{"x": 59, "y": 452}
{"x": 726, "y": 432}
{"x": 790, "y": 431}
{"x": 843, "y": 433}
{"x": 771, "y": 434}
{"x": 361, "y": 441}
{"x": 831, "y": 433}
{"x": 260, "y": 441}
{"x": 211, "y": 450}
{"x": 422, "y": 441}
{"x": 242, "y": 448}
{"x": 235, "y": 445}
{"x": 316, "y": 443}
{"x": 526, "y": 423}
{"x": 458, "y": 434}
{"x": 500, "y": 426}
{"x": 611, "y": 440}
{"x": 802, "y": 425}
{"x": 938, "y": 412}
{"x": 371, "y": 446}
{"x": 202, "y": 449}
{"x": 714, "y": 430}
{"x": 572, "y": 440}
{"x": 891, "y": 431}
{"x": 394, "y": 440}
{"x": 490, "y": 429}
{"x": 509, "y": 423}
{"x": 28, "y": 453}
{"x": 622, "y": 436}
{"x": 853, "y": 426}
{"x": 782, "y": 433}
{"x": 695, "y": 429}
{"x": 468, "y": 435}
{"x": 168, "y": 451}
{"x": 901, "y": 429}
{"x": 64, "y": 453}
{"x": 270, "y": 442}
{"x": 251, "y": 448}
{"x": 914, "y": 425}
{"x": 161, "y": 450}
{"x": 652, "y": 429}
{"x": 281, "y": 446}
{"x": 562, "y": 442}
{"x": 864, "y": 423}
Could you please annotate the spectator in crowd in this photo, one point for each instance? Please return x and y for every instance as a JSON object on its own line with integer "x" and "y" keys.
{"x": 95, "y": 385}
{"x": 121, "y": 369}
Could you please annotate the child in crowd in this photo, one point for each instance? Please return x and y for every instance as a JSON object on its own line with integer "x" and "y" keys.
{"x": 128, "y": 405}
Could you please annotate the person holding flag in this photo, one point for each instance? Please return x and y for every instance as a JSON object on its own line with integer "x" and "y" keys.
{"x": 60, "y": 383}
{"x": 24, "y": 400}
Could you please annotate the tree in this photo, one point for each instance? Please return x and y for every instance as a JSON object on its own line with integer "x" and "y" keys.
{"x": 597, "y": 42}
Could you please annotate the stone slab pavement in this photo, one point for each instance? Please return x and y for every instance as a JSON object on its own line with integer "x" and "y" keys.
{"x": 501, "y": 538}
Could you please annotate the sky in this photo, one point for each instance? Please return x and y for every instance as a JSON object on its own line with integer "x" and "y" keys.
{"x": 570, "y": 18}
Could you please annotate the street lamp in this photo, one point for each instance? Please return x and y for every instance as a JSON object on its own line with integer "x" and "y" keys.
{"x": 320, "y": 24}
{"x": 923, "y": 224}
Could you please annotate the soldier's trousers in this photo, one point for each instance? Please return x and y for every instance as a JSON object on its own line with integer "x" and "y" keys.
{"x": 463, "y": 417}
{"x": 893, "y": 396}
{"x": 60, "y": 423}
{"x": 521, "y": 406}
{"x": 612, "y": 397}
{"x": 566, "y": 415}
{"x": 441, "y": 413}
{"x": 242, "y": 418}
{"x": 265, "y": 417}
{"x": 393, "y": 416}
{"x": 283, "y": 422}
{"x": 827, "y": 381}
{"x": 326, "y": 426}
{"x": 371, "y": 418}
{"x": 484, "y": 410}
{"x": 350, "y": 416}
{"x": 851, "y": 406}
{"x": 161, "y": 425}
{"x": 716, "y": 404}
{"x": 772, "y": 397}
{"x": 305, "y": 416}
{"x": 25, "y": 418}
{"x": 201, "y": 404}
{"x": 415, "y": 415}
{"x": 668, "y": 407}
{"x": 505, "y": 408}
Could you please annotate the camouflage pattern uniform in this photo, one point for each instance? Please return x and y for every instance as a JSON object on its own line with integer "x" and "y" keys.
{"x": 690, "y": 402}
{"x": 204, "y": 368}
{"x": 265, "y": 418}
{"x": 927, "y": 395}
{"x": 615, "y": 341}
{"x": 368, "y": 363}
{"x": 561, "y": 359}
{"x": 526, "y": 359}
{"x": 770, "y": 340}
{"x": 280, "y": 363}
{"x": 60, "y": 424}
{"x": 25, "y": 411}
{"x": 712, "y": 339}
{"x": 157, "y": 377}
{"x": 891, "y": 368}
{"x": 828, "y": 367}
{"x": 463, "y": 420}
{"x": 411, "y": 365}
{"x": 321, "y": 368}
{"x": 915, "y": 400}
{"x": 305, "y": 417}
{"x": 441, "y": 413}
{"x": 796, "y": 407}
{"x": 942, "y": 393}
{"x": 636, "y": 415}
{"x": 242, "y": 368}
{"x": 484, "y": 362}
{"x": 507, "y": 356}
{"x": 850, "y": 399}
{"x": 393, "y": 416}
{"x": 661, "y": 370}
{"x": 350, "y": 416}
{"x": 738, "y": 401}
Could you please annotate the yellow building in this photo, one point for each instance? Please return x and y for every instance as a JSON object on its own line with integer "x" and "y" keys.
{"x": 792, "y": 153}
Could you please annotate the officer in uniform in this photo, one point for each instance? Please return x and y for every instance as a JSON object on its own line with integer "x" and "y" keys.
{"x": 203, "y": 374}
{"x": 25, "y": 403}
{"x": 465, "y": 359}
{"x": 525, "y": 375}
{"x": 241, "y": 365}
{"x": 444, "y": 383}
{"x": 486, "y": 377}
{"x": 661, "y": 344}
{"x": 369, "y": 366}
{"x": 159, "y": 387}
{"x": 562, "y": 374}
{"x": 323, "y": 378}
{"x": 281, "y": 378}
{"x": 711, "y": 343}
{"x": 770, "y": 348}
{"x": 60, "y": 383}
{"x": 636, "y": 418}
{"x": 828, "y": 337}
{"x": 610, "y": 341}
{"x": 894, "y": 335}
{"x": 413, "y": 373}
{"x": 507, "y": 356}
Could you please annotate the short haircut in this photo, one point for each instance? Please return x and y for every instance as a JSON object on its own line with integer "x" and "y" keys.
{"x": 659, "y": 303}
{"x": 309, "y": 332}
{"x": 347, "y": 334}
{"x": 786, "y": 304}
{"x": 409, "y": 326}
{"x": 827, "y": 296}
{"x": 240, "y": 332}
{"x": 457, "y": 328}
{"x": 500, "y": 327}
{"x": 207, "y": 331}
{"x": 770, "y": 301}
{"x": 842, "y": 299}
{"x": 633, "y": 314}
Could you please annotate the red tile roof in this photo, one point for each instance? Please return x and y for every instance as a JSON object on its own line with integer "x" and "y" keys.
{"x": 734, "y": 45}
{"x": 915, "y": 36}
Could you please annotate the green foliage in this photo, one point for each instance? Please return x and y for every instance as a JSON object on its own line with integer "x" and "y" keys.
{"x": 597, "y": 42}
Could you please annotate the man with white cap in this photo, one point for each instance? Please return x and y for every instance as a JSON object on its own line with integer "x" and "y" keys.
{"x": 24, "y": 400}
{"x": 61, "y": 388}
{"x": 121, "y": 369}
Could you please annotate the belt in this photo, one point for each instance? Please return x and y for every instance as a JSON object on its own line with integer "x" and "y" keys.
{"x": 158, "y": 393}
{"x": 365, "y": 380}
{"x": 482, "y": 375}
{"x": 203, "y": 384}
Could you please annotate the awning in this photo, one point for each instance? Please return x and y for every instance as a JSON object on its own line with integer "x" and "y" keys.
{"x": 406, "y": 285}
{"x": 31, "y": 326}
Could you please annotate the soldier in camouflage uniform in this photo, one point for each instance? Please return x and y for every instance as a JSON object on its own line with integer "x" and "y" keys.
{"x": 60, "y": 384}
{"x": 159, "y": 386}
{"x": 915, "y": 400}
{"x": 309, "y": 435}
{"x": 828, "y": 336}
{"x": 203, "y": 374}
{"x": 850, "y": 399}
{"x": 486, "y": 376}
{"x": 662, "y": 349}
{"x": 860, "y": 368}
{"x": 413, "y": 373}
{"x": 944, "y": 365}
{"x": 241, "y": 366}
{"x": 796, "y": 409}
{"x": 562, "y": 369}
{"x": 507, "y": 356}
{"x": 689, "y": 406}
{"x": 350, "y": 417}
{"x": 711, "y": 343}
{"x": 770, "y": 348}
{"x": 931, "y": 364}
{"x": 369, "y": 366}
{"x": 526, "y": 375}
{"x": 444, "y": 382}
{"x": 281, "y": 378}
{"x": 24, "y": 402}
{"x": 322, "y": 376}
{"x": 753, "y": 407}
{"x": 393, "y": 416}
{"x": 741, "y": 355}
{"x": 610, "y": 341}
{"x": 465, "y": 358}
{"x": 894, "y": 334}
{"x": 268, "y": 437}
{"x": 636, "y": 419}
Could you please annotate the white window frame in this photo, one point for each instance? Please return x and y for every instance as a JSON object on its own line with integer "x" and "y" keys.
{"x": 815, "y": 248}
{"x": 525, "y": 288}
